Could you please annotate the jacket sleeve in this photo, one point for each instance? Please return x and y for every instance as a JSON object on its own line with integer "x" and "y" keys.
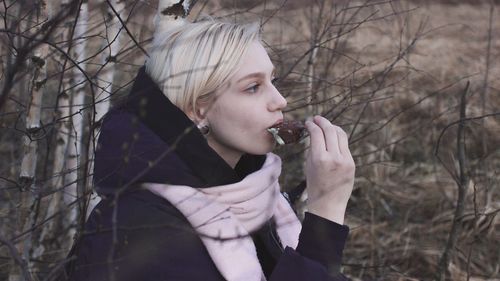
{"x": 318, "y": 255}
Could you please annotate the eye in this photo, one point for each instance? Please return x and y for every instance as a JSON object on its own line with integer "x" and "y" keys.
{"x": 253, "y": 89}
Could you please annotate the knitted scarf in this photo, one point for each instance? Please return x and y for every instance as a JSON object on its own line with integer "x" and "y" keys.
{"x": 224, "y": 216}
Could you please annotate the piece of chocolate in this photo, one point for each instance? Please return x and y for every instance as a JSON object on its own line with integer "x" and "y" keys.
{"x": 289, "y": 131}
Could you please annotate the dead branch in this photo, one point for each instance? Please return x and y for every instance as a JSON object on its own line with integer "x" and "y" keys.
{"x": 17, "y": 258}
{"x": 462, "y": 190}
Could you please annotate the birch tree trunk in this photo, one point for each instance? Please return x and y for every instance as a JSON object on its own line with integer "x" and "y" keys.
{"x": 106, "y": 82}
{"x": 170, "y": 13}
{"x": 73, "y": 162}
{"x": 55, "y": 208}
{"x": 113, "y": 34}
{"x": 28, "y": 165}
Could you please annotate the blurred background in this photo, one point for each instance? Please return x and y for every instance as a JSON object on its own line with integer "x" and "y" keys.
{"x": 415, "y": 84}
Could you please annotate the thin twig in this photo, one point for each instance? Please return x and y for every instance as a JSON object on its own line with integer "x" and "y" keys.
{"x": 17, "y": 258}
{"x": 462, "y": 190}
{"x": 117, "y": 15}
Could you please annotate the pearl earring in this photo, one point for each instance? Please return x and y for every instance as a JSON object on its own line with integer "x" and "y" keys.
{"x": 204, "y": 129}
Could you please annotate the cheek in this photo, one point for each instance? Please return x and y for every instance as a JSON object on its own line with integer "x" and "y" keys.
{"x": 235, "y": 115}
{"x": 242, "y": 124}
{"x": 248, "y": 119}
{"x": 253, "y": 136}
{"x": 242, "y": 127}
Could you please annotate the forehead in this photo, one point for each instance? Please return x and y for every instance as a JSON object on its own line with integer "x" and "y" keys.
{"x": 256, "y": 59}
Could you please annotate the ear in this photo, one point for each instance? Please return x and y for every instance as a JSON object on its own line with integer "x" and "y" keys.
{"x": 198, "y": 115}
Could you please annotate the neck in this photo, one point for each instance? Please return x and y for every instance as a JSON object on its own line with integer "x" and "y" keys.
{"x": 231, "y": 156}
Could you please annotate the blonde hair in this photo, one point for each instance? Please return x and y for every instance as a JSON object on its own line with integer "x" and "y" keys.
{"x": 192, "y": 61}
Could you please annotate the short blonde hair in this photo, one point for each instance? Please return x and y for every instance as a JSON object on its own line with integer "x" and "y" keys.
{"x": 192, "y": 61}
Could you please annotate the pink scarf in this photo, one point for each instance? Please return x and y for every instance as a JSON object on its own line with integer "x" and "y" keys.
{"x": 224, "y": 216}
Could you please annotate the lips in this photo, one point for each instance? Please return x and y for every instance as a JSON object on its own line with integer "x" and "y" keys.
{"x": 277, "y": 123}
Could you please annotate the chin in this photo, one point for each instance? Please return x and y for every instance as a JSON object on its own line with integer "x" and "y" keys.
{"x": 265, "y": 145}
{"x": 257, "y": 148}
{"x": 264, "y": 149}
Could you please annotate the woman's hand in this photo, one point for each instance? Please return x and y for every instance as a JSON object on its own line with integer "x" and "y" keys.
{"x": 329, "y": 170}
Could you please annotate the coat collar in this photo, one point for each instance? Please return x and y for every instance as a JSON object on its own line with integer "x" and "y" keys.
{"x": 171, "y": 125}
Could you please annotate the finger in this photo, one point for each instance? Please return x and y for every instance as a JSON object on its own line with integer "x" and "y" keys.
{"x": 317, "y": 140}
{"x": 343, "y": 141}
{"x": 330, "y": 134}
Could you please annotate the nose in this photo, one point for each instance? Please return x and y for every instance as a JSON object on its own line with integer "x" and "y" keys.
{"x": 278, "y": 102}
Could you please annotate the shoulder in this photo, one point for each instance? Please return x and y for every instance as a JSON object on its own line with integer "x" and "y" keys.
{"x": 145, "y": 236}
{"x": 139, "y": 212}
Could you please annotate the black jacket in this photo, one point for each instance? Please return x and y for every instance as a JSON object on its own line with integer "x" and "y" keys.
{"x": 133, "y": 234}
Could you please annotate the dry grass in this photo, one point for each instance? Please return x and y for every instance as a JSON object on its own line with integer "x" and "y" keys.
{"x": 402, "y": 207}
{"x": 403, "y": 203}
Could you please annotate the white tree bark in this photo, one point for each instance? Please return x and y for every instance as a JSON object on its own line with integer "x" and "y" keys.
{"x": 76, "y": 131}
{"x": 113, "y": 33}
{"x": 27, "y": 175}
{"x": 106, "y": 84}
{"x": 37, "y": 85}
{"x": 171, "y": 13}
{"x": 52, "y": 218}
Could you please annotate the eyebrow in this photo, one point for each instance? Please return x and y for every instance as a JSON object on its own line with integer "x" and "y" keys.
{"x": 255, "y": 74}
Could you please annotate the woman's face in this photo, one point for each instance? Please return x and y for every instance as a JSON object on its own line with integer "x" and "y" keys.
{"x": 244, "y": 108}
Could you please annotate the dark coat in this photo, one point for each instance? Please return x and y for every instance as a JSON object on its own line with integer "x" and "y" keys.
{"x": 133, "y": 234}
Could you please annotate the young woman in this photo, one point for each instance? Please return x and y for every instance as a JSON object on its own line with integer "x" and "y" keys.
{"x": 188, "y": 181}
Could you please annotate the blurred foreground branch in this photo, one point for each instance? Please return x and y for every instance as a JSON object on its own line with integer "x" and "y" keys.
{"x": 462, "y": 181}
